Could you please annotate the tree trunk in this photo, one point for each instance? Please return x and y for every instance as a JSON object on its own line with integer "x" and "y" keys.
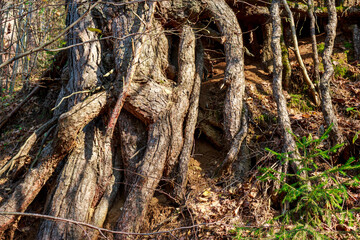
{"x": 326, "y": 104}
{"x": 86, "y": 179}
{"x": 313, "y": 41}
{"x": 266, "y": 53}
{"x": 289, "y": 145}
{"x": 356, "y": 41}
{"x": 285, "y": 62}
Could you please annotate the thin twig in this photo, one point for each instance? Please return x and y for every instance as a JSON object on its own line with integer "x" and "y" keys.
{"x": 41, "y": 47}
{"x": 100, "y": 229}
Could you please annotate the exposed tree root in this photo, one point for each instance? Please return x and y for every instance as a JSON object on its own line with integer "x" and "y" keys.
{"x": 234, "y": 72}
{"x": 190, "y": 126}
{"x": 289, "y": 145}
{"x": 69, "y": 125}
{"x": 233, "y": 153}
{"x": 162, "y": 145}
{"x": 326, "y": 104}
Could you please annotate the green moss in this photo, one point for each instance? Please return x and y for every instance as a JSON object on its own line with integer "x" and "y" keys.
{"x": 297, "y": 101}
{"x": 340, "y": 71}
{"x": 321, "y": 47}
{"x": 340, "y": 8}
{"x": 265, "y": 119}
{"x": 285, "y": 62}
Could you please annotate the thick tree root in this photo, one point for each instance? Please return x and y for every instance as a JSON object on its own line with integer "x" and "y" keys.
{"x": 165, "y": 141}
{"x": 235, "y": 146}
{"x": 82, "y": 184}
{"x": 190, "y": 125}
{"x": 234, "y": 73}
{"x": 326, "y": 103}
{"x": 69, "y": 125}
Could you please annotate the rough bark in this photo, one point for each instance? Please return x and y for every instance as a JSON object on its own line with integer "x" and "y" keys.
{"x": 234, "y": 150}
{"x": 356, "y": 41}
{"x": 307, "y": 79}
{"x": 234, "y": 73}
{"x": 80, "y": 187}
{"x": 87, "y": 178}
{"x": 133, "y": 137}
{"x": 182, "y": 94}
{"x": 65, "y": 138}
{"x": 165, "y": 140}
{"x": 190, "y": 125}
{"x": 84, "y": 60}
{"x": 266, "y": 54}
{"x": 289, "y": 145}
{"x": 313, "y": 41}
{"x": 286, "y": 63}
{"x": 326, "y": 104}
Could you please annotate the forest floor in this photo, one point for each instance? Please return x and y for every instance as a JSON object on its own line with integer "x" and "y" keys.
{"x": 217, "y": 204}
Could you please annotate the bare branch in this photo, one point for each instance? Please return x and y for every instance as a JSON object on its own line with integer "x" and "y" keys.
{"x": 41, "y": 47}
{"x": 100, "y": 229}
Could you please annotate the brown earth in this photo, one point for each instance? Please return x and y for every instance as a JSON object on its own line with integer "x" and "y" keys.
{"x": 224, "y": 202}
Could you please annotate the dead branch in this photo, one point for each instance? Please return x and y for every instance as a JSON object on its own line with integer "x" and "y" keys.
{"x": 103, "y": 230}
{"x": 307, "y": 79}
{"x": 43, "y": 46}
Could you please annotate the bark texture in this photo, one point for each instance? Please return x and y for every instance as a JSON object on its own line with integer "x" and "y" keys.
{"x": 162, "y": 146}
{"x": 65, "y": 140}
{"x": 289, "y": 145}
{"x": 313, "y": 41}
{"x": 190, "y": 126}
{"x": 326, "y": 104}
{"x": 84, "y": 60}
{"x": 356, "y": 41}
{"x": 80, "y": 188}
{"x": 286, "y": 63}
{"x": 87, "y": 178}
{"x": 234, "y": 73}
{"x": 266, "y": 53}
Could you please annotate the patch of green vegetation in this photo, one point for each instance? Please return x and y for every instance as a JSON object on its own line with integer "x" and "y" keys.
{"x": 297, "y": 101}
{"x": 353, "y": 112}
{"x": 340, "y": 8}
{"x": 313, "y": 198}
{"x": 322, "y": 9}
{"x": 265, "y": 119}
{"x": 320, "y": 48}
{"x": 340, "y": 71}
{"x": 349, "y": 47}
